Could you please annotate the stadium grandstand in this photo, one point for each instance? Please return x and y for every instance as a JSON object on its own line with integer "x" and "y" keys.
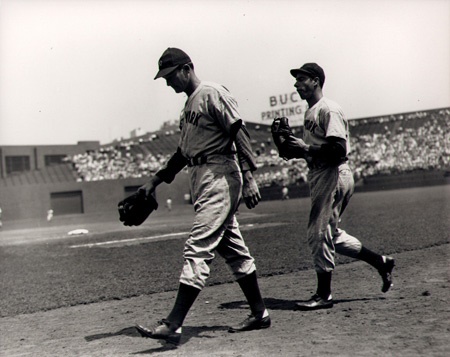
{"x": 405, "y": 149}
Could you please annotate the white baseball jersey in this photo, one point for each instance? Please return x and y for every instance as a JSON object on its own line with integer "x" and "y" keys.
{"x": 325, "y": 119}
{"x": 209, "y": 112}
{"x": 216, "y": 187}
{"x": 331, "y": 188}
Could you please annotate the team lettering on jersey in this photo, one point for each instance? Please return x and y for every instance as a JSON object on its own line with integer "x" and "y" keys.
{"x": 310, "y": 125}
{"x": 192, "y": 117}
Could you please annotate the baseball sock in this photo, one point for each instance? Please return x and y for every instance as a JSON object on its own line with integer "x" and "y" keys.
{"x": 324, "y": 284}
{"x": 250, "y": 288}
{"x": 185, "y": 299}
{"x": 372, "y": 258}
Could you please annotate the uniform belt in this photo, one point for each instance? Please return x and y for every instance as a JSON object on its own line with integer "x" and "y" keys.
{"x": 197, "y": 161}
{"x": 210, "y": 159}
{"x": 317, "y": 164}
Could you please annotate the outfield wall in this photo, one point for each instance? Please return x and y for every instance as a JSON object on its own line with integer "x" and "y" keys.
{"x": 374, "y": 183}
{"x": 31, "y": 202}
{"x": 34, "y": 157}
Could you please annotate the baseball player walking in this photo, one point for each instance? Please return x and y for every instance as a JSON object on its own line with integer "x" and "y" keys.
{"x": 325, "y": 147}
{"x": 215, "y": 146}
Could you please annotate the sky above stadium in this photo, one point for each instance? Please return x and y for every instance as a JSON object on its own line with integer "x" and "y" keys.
{"x": 83, "y": 70}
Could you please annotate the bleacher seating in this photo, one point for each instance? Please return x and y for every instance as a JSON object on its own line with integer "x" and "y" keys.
{"x": 51, "y": 174}
{"x": 384, "y": 145}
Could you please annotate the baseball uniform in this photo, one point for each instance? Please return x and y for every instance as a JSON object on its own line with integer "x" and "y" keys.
{"x": 216, "y": 186}
{"x": 331, "y": 187}
{"x": 215, "y": 146}
{"x": 326, "y": 145}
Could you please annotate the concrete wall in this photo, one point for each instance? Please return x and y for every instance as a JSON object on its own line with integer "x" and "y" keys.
{"x": 28, "y": 202}
{"x": 37, "y": 153}
{"x": 31, "y": 202}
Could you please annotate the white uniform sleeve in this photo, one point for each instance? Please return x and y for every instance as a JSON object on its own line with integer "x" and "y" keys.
{"x": 225, "y": 110}
{"x": 335, "y": 125}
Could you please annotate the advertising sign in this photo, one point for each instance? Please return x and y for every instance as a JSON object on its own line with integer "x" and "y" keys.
{"x": 285, "y": 105}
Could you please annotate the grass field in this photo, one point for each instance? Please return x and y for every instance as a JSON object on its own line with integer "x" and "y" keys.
{"x": 45, "y": 268}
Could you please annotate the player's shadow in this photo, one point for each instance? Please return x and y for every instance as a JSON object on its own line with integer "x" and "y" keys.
{"x": 128, "y": 331}
{"x": 342, "y": 301}
{"x": 271, "y": 304}
{"x": 282, "y": 304}
{"x": 188, "y": 333}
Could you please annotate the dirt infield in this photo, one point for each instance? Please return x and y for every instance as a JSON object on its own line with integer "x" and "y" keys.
{"x": 81, "y": 296}
{"x": 410, "y": 320}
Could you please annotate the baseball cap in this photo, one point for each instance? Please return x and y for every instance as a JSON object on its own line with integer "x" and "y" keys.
{"x": 170, "y": 60}
{"x": 312, "y": 70}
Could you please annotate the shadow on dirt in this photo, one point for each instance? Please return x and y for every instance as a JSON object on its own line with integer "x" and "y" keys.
{"x": 188, "y": 333}
{"x": 128, "y": 331}
{"x": 208, "y": 331}
{"x": 281, "y": 304}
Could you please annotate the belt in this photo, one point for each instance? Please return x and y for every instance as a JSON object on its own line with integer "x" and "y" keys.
{"x": 317, "y": 164}
{"x": 197, "y": 161}
{"x": 210, "y": 159}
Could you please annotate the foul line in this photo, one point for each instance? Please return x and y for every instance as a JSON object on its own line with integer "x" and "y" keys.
{"x": 143, "y": 239}
{"x": 131, "y": 240}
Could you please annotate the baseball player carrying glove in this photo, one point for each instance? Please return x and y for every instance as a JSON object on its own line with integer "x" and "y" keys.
{"x": 215, "y": 146}
{"x": 289, "y": 147}
{"x": 135, "y": 209}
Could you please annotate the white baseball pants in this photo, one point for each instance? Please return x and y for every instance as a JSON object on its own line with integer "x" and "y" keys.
{"x": 216, "y": 189}
{"x": 331, "y": 189}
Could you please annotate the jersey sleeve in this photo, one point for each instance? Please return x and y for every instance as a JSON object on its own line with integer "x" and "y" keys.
{"x": 243, "y": 147}
{"x": 234, "y": 125}
{"x": 224, "y": 107}
{"x": 335, "y": 125}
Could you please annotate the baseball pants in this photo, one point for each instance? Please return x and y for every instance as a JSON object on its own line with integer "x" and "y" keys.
{"x": 331, "y": 189}
{"x": 216, "y": 189}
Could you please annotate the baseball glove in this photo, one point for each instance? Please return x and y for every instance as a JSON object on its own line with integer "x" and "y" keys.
{"x": 135, "y": 209}
{"x": 281, "y": 131}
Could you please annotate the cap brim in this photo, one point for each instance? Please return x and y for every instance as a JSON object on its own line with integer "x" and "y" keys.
{"x": 165, "y": 72}
{"x": 296, "y": 71}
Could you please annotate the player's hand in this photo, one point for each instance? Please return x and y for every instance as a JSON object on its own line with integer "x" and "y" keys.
{"x": 297, "y": 143}
{"x": 250, "y": 190}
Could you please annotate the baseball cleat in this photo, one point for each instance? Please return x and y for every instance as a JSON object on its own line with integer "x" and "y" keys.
{"x": 386, "y": 273}
{"x": 161, "y": 331}
{"x": 315, "y": 303}
{"x": 252, "y": 323}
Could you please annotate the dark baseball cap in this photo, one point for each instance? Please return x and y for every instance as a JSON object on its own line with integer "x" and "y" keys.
{"x": 312, "y": 70}
{"x": 170, "y": 60}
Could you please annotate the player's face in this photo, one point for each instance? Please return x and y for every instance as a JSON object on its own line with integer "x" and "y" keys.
{"x": 305, "y": 86}
{"x": 177, "y": 80}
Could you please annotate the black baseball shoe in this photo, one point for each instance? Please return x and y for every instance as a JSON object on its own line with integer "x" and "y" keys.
{"x": 252, "y": 323}
{"x": 161, "y": 331}
{"x": 315, "y": 303}
{"x": 386, "y": 273}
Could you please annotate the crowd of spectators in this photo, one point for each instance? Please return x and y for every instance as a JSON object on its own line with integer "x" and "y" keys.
{"x": 395, "y": 144}
{"x": 380, "y": 146}
{"x": 112, "y": 163}
{"x": 415, "y": 144}
{"x": 285, "y": 173}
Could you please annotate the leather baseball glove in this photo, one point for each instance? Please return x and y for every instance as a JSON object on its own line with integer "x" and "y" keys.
{"x": 284, "y": 139}
{"x": 135, "y": 209}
